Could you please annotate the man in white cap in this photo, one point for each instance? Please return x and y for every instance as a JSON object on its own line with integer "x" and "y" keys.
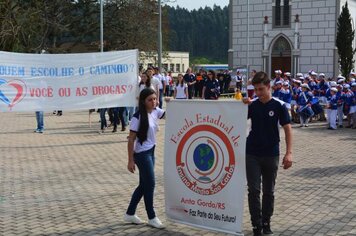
{"x": 340, "y": 106}
{"x": 278, "y": 74}
{"x": 304, "y": 103}
{"x": 347, "y": 97}
{"x": 353, "y": 106}
{"x": 328, "y": 98}
{"x": 287, "y": 76}
{"x": 352, "y": 76}
{"x": 341, "y": 79}
{"x": 285, "y": 95}
{"x": 320, "y": 93}
{"x": 277, "y": 89}
{"x": 296, "y": 90}
{"x": 312, "y": 81}
{"x": 332, "y": 106}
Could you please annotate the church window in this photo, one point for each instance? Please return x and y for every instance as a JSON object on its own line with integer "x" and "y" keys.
{"x": 281, "y": 13}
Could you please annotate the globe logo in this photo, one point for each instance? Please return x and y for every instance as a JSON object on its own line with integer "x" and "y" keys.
{"x": 204, "y": 160}
{"x": 203, "y": 157}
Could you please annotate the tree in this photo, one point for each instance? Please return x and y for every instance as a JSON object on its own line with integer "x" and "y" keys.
{"x": 203, "y": 32}
{"x": 344, "y": 40}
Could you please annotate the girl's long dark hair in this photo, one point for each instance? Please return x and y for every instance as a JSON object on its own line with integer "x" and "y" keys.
{"x": 181, "y": 83}
{"x": 148, "y": 80}
{"x": 143, "y": 127}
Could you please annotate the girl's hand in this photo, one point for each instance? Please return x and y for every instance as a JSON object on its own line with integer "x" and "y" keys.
{"x": 131, "y": 166}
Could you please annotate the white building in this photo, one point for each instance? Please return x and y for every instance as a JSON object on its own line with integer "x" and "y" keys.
{"x": 291, "y": 35}
{"x": 177, "y": 62}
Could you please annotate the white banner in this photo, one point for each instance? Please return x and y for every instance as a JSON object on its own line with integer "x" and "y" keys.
{"x": 46, "y": 82}
{"x": 204, "y": 163}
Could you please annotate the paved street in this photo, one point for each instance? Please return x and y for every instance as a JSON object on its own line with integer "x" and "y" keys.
{"x": 73, "y": 181}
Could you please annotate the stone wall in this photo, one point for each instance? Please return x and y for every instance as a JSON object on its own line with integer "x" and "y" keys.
{"x": 317, "y": 30}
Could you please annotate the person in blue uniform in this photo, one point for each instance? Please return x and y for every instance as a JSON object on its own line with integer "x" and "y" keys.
{"x": 347, "y": 98}
{"x": 277, "y": 89}
{"x": 286, "y": 95}
{"x": 353, "y": 106}
{"x": 262, "y": 151}
{"x": 304, "y": 104}
{"x": 296, "y": 90}
{"x": 331, "y": 84}
{"x": 332, "y": 105}
{"x": 340, "y": 105}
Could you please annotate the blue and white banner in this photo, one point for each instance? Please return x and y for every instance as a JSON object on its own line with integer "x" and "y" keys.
{"x": 46, "y": 82}
{"x": 204, "y": 163}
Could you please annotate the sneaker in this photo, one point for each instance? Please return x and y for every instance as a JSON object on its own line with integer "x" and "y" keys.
{"x": 257, "y": 231}
{"x": 341, "y": 126}
{"x": 123, "y": 129}
{"x": 306, "y": 125}
{"x": 156, "y": 223}
{"x": 36, "y": 131}
{"x": 133, "y": 219}
{"x": 267, "y": 228}
{"x": 40, "y": 131}
{"x": 114, "y": 130}
{"x": 331, "y": 128}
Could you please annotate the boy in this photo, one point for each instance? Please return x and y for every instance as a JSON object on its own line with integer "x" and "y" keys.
{"x": 262, "y": 151}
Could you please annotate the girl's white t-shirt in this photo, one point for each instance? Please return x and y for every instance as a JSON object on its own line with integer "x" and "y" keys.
{"x": 153, "y": 118}
{"x": 143, "y": 86}
{"x": 181, "y": 91}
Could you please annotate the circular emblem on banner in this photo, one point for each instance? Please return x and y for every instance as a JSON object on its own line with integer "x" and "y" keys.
{"x": 271, "y": 113}
{"x": 205, "y": 159}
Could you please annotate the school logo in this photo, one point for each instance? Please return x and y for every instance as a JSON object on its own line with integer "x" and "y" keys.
{"x": 12, "y": 92}
{"x": 271, "y": 113}
{"x": 205, "y": 159}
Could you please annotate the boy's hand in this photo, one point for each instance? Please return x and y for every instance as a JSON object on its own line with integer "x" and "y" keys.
{"x": 246, "y": 101}
{"x": 287, "y": 161}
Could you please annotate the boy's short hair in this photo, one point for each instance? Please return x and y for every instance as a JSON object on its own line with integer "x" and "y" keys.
{"x": 261, "y": 78}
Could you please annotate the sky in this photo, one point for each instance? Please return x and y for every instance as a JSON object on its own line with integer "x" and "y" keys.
{"x": 196, "y": 4}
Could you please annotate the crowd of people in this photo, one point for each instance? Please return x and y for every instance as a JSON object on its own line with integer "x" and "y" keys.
{"x": 308, "y": 97}
{"x": 312, "y": 96}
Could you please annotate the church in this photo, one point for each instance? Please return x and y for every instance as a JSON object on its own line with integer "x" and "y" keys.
{"x": 290, "y": 35}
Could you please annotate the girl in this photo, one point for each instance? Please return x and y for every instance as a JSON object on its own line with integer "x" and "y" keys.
{"x": 211, "y": 87}
{"x": 145, "y": 82}
{"x": 181, "y": 89}
{"x": 140, "y": 147}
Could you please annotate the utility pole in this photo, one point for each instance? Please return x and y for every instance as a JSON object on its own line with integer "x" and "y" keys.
{"x": 101, "y": 25}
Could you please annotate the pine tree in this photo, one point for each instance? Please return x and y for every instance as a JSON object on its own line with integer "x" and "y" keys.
{"x": 344, "y": 40}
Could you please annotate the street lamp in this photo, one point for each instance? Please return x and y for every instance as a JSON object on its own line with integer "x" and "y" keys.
{"x": 159, "y": 35}
{"x": 101, "y": 25}
{"x": 159, "y": 51}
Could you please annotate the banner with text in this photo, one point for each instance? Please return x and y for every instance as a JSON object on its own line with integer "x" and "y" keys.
{"x": 45, "y": 82}
{"x": 204, "y": 163}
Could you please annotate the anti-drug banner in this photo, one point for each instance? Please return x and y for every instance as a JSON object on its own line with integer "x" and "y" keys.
{"x": 204, "y": 163}
{"x": 46, "y": 82}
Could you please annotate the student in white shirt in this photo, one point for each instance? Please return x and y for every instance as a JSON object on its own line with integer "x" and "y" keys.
{"x": 181, "y": 89}
{"x": 141, "y": 146}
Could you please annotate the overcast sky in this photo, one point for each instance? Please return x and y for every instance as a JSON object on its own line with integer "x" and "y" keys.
{"x": 196, "y": 4}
